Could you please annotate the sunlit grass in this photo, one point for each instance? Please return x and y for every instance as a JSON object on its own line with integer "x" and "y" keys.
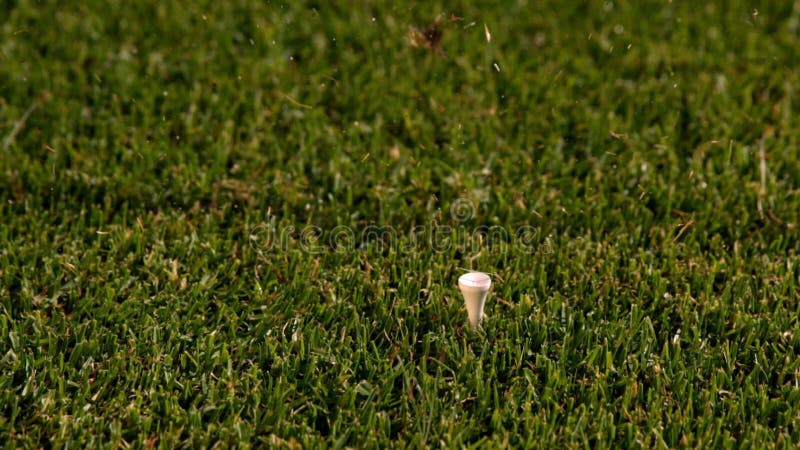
{"x": 185, "y": 191}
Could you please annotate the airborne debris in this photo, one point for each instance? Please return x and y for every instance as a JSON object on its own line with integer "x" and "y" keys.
{"x": 430, "y": 37}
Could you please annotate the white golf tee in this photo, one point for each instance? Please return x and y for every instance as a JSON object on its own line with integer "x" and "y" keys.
{"x": 474, "y": 287}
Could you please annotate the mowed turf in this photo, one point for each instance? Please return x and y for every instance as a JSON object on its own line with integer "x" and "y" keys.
{"x": 242, "y": 223}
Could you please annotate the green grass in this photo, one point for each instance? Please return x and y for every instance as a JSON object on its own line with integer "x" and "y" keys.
{"x": 649, "y": 147}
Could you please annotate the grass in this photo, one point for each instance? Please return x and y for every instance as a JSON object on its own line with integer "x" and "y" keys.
{"x": 150, "y": 148}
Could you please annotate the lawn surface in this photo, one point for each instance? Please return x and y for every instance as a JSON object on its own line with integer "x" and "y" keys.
{"x": 243, "y": 222}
